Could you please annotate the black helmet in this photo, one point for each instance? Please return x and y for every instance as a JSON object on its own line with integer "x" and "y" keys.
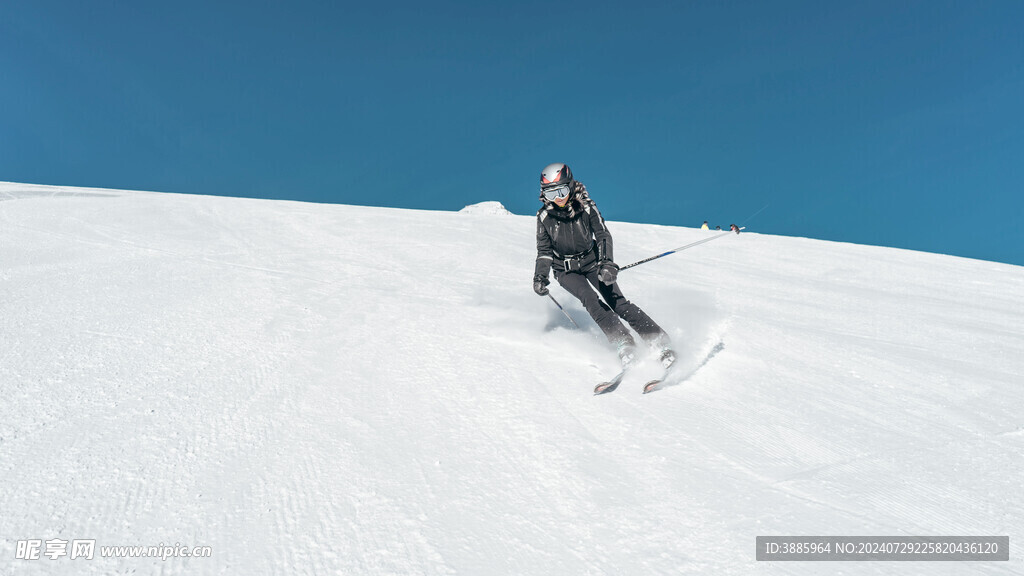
{"x": 556, "y": 174}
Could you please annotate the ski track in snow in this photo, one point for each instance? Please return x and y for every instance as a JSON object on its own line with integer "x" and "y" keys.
{"x": 315, "y": 389}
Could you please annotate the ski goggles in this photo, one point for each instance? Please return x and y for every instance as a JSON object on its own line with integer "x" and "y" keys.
{"x": 556, "y": 193}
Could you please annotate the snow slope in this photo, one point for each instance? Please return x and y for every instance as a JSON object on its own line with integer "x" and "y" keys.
{"x": 317, "y": 389}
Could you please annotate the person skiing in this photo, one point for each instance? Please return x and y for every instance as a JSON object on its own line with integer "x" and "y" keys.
{"x": 573, "y": 240}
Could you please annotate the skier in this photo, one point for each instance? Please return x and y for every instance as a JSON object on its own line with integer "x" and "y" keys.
{"x": 572, "y": 238}
{"x": 705, "y": 226}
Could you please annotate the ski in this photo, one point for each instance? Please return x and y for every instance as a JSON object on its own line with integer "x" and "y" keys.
{"x": 657, "y": 383}
{"x": 653, "y": 385}
{"x": 611, "y": 385}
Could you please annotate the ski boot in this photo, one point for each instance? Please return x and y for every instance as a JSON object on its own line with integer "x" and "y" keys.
{"x": 667, "y": 358}
{"x": 627, "y": 355}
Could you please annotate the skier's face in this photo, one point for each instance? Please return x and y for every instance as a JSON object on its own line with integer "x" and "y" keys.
{"x": 559, "y": 195}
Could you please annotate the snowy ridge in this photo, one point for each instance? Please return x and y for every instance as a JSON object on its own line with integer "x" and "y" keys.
{"x": 313, "y": 389}
{"x": 489, "y": 207}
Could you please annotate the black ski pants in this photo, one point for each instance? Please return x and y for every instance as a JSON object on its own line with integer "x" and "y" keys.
{"x": 607, "y": 308}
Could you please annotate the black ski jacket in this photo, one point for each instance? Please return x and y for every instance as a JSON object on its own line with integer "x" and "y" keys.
{"x": 574, "y": 238}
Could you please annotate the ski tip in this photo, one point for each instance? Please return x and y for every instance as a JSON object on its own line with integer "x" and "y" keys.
{"x": 652, "y": 386}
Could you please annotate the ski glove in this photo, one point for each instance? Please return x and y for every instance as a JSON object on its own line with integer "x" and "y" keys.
{"x": 540, "y": 285}
{"x": 608, "y": 273}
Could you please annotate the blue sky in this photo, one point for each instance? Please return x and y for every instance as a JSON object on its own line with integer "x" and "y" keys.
{"x": 890, "y": 123}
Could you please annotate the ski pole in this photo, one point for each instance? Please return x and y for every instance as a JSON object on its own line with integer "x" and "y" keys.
{"x": 563, "y": 311}
{"x": 681, "y": 248}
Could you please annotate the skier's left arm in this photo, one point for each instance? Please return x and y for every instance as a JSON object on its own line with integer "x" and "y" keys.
{"x": 545, "y": 253}
{"x": 609, "y": 269}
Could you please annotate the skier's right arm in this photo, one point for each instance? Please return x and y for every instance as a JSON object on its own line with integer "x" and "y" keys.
{"x": 545, "y": 254}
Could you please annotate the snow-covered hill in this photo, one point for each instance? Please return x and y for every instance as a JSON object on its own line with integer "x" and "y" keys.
{"x": 316, "y": 389}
